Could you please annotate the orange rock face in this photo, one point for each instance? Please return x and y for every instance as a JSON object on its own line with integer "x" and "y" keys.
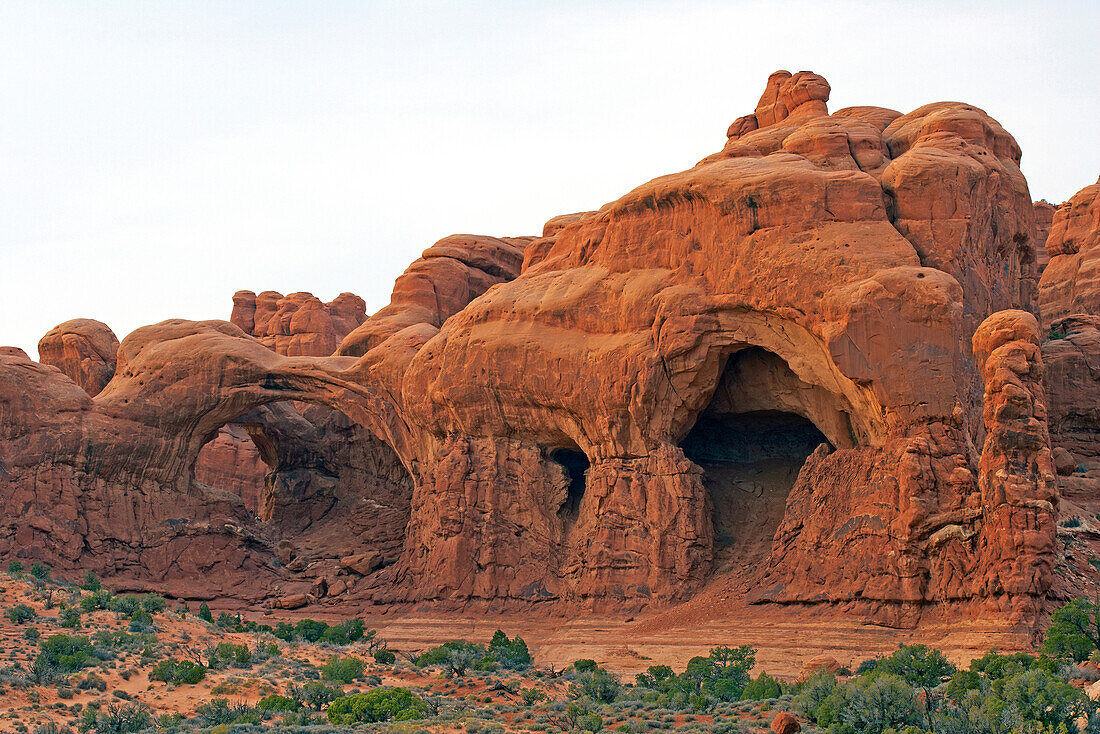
{"x": 1070, "y": 304}
{"x": 1071, "y": 281}
{"x": 773, "y": 369}
{"x": 84, "y": 350}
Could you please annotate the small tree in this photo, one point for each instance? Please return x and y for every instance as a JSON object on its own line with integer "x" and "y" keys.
{"x": 40, "y": 571}
{"x": 459, "y": 660}
{"x": 341, "y": 669}
{"x": 1074, "y": 631}
{"x": 21, "y": 614}
{"x": 204, "y": 613}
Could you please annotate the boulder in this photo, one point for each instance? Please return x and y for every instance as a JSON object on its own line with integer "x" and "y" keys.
{"x": 84, "y": 350}
{"x": 1064, "y": 463}
{"x": 785, "y": 723}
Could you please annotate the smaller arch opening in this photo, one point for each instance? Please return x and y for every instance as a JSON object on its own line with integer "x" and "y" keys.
{"x": 576, "y": 466}
{"x": 313, "y": 479}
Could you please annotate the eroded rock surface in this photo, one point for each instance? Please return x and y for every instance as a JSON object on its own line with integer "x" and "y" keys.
{"x": 549, "y": 420}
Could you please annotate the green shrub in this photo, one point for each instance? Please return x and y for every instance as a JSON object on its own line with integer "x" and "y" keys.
{"x": 585, "y": 665}
{"x": 344, "y": 633}
{"x": 512, "y": 654}
{"x": 380, "y": 704}
{"x": 309, "y": 630}
{"x": 204, "y": 613}
{"x": 90, "y": 582}
{"x": 70, "y": 617}
{"x": 762, "y": 687}
{"x": 100, "y": 599}
{"x": 40, "y": 571}
{"x": 384, "y": 657}
{"x": 275, "y": 702}
{"x": 598, "y": 684}
{"x": 314, "y": 694}
{"x": 344, "y": 670}
{"x": 123, "y": 719}
{"x": 126, "y": 604}
{"x": 1074, "y": 631}
{"x": 153, "y": 603}
{"x": 15, "y": 568}
{"x": 60, "y": 655}
{"x": 180, "y": 672}
{"x": 591, "y": 722}
{"x": 214, "y": 712}
{"x": 228, "y": 654}
{"x": 21, "y": 614}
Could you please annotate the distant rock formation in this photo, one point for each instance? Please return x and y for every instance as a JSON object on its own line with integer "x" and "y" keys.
{"x": 1071, "y": 281}
{"x": 299, "y": 324}
{"x": 1069, "y": 295}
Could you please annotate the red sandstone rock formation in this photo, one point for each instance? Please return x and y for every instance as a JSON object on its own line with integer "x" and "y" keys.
{"x": 298, "y": 324}
{"x": 1044, "y": 218}
{"x": 447, "y": 277}
{"x": 231, "y": 462}
{"x": 1069, "y": 295}
{"x": 294, "y": 325}
{"x": 760, "y": 365}
{"x": 785, "y": 723}
{"x": 1071, "y": 281}
{"x": 84, "y": 350}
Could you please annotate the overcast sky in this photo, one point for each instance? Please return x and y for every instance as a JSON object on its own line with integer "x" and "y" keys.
{"x": 158, "y": 156}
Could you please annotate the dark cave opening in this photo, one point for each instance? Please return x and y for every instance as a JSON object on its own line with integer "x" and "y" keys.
{"x": 576, "y": 464}
{"x": 751, "y": 441}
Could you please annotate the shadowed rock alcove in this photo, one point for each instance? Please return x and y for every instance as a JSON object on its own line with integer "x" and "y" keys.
{"x": 575, "y": 464}
{"x": 311, "y": 474}
{"x": 751, "y": 441}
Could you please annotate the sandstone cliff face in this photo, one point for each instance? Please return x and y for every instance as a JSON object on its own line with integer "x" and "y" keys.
{"x": 1070, "y": 303}
{"x": 764, "y": 359}
{"x": 1044, "y": 218}
{"x": 1071, "y": 282}
{"x": 84, "y": 350}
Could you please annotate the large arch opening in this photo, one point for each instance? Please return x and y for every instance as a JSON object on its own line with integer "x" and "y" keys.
{"x": 321, "y": 486}
{"x": 751, "y": 441}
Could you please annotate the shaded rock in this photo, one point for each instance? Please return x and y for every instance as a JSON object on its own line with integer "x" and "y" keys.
{"x": 363, "y": 564}
{"x": 819, "y": 663}
{"x": 292, "y": 601}
{"x": 1064, "y": 463}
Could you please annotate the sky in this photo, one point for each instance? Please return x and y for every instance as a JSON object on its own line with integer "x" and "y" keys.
{"x": 159, "y": 156}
